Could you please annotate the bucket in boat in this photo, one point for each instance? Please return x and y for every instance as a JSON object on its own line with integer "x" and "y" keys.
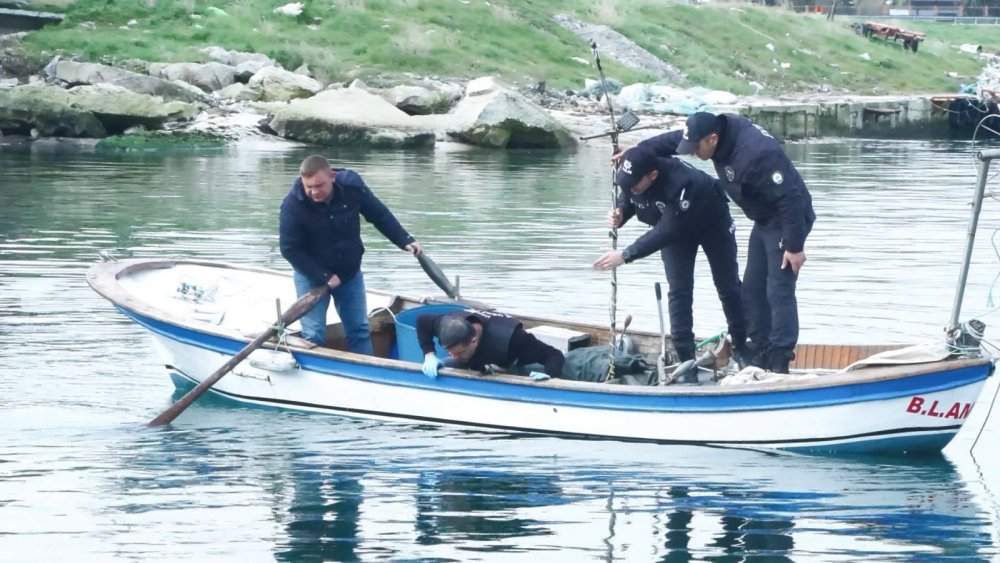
{"x": 406, "y": 331}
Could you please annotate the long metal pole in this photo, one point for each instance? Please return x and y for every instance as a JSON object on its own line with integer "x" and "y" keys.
{"x": 977, "y": 206}
{"x": 614, "y": 203}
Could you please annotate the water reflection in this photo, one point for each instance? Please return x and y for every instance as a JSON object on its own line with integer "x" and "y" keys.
{"x": 322, "y": 518}
{"x": 343, "y": 490}
{"x": 477, "y": 506}
{"x": 77, "y": 381}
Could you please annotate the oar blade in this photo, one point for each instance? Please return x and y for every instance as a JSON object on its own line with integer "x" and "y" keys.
{"x": 437, "y": 276}
{"x": 294, "y": 313}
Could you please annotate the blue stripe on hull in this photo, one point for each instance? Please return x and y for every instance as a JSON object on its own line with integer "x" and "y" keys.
{"x": 911, "y": 444}
{"x": 606, "y": 398}
{"x": 917, "y": 440}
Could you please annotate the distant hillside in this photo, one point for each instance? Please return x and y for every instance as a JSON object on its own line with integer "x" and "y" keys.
{"x": 741, "y": 48}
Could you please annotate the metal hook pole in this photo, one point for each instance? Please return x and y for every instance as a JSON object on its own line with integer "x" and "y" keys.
{"x": 614, "y": 202}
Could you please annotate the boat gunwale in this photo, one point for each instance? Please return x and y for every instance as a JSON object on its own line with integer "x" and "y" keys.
{"x": 105, "y": 277}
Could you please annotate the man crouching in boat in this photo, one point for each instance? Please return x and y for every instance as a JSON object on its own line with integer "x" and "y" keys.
{"x": 320, "y": 236}
{"x": 476, "y": 339}
{"x": 686, "y": 209}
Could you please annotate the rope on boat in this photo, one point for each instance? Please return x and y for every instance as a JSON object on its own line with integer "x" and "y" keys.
{"x": 993, "y": 403}
{"x": 281, "y": 331}
{"x": 714, "y": 338}
{"x": 377, "y": 309}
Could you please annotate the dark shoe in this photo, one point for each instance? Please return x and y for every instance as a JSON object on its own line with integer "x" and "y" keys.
{"x": 741, "y": 354}
{"x": 778, "y": 359}
{"x": 758, "y": 356}
{"x": 684, "y": 351}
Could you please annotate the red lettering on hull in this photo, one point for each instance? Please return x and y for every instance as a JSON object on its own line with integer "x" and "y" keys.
{"x": 931, "y": 411}
{"x": 957, "y": 410}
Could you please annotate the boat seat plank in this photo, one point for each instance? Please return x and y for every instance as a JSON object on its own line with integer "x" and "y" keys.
{"x": 835, "y": 356}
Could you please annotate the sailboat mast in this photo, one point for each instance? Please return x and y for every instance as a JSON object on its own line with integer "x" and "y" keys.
{"x": 985, "y": 157}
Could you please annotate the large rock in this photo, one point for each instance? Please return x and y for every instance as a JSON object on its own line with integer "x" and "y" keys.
{"x": 349, "y": 117}
{"x": 208, "y": 76}
{"x": 273, "y": 84}
{"x": 234, "y": 91}
{"x": 423, "y": 99}
{"x": 15, "y": 62}
{"x": 84, "y": 111}
{"x": 494, "y": 116}
{"x": 75, "y": 74}
{"x": 119, "y": 109}
{"x": 45, "y": 111}
{"x": 242, "y": 61}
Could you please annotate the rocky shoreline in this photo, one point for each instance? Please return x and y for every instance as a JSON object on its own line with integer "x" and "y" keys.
{"x": 239, "y": 95}
{"x": 246, "y": 94}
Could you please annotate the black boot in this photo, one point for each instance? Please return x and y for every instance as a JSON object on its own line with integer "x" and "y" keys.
{"x": 756, "y": 354}
{"x": 684, "y": 350}
{"x": 741, "y": 353}
{"x": 778, "y": 359}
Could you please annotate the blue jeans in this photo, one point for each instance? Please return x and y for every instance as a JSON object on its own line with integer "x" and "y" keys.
{"x": 352, "y": 308}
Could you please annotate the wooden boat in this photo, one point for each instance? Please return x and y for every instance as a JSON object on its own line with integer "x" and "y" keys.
{"x": 202, "y": 313}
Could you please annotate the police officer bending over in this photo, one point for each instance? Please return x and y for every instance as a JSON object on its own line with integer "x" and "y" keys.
{"x": 687, "y": 209}
{"x": 475, "y": 339}
{"x": 757, "y": 175}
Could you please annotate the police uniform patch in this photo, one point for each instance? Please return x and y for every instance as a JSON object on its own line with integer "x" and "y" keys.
{"x": 777, "y": 178}
{"x": 730, "y": 173}
{"x": 627, "y": 167}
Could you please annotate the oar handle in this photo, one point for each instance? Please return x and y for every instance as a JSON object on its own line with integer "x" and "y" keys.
{"x": 659, "y": 314}
{"x": 294, "y": 313}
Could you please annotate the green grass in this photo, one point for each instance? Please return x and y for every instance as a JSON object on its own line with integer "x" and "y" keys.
{"x": 718, "y": 46}
{"x": 818, "y": 51}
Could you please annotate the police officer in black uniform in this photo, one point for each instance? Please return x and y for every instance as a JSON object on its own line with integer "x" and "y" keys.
{"x": 686, "y": 209}
{"x": 475, "y": 339}
{"x": 756, "y": 174}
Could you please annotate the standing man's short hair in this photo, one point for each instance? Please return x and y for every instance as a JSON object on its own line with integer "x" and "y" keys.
{"x": 313, "y": 164}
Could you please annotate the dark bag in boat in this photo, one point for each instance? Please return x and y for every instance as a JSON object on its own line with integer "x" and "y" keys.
{"x": 591, "y": 364}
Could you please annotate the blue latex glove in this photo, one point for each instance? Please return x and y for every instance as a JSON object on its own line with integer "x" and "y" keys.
{"x": 431, "y": 365}
{"x": 539, "y": 376}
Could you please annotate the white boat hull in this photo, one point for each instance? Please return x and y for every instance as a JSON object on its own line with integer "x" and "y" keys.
{"x": 903, "y": 408}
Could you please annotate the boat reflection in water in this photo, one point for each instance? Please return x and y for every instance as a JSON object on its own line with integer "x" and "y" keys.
{"x": 481, "y": 497}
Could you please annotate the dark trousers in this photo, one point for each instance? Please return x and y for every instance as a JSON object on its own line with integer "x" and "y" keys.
{"x": 769, "y": 292}
{"x": 719, "y": 243}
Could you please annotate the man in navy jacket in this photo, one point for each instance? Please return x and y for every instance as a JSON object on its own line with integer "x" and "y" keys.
{"x": 756, "y": 174}
{"x": 320, "y": 236}
{"x": 686, "y": 209}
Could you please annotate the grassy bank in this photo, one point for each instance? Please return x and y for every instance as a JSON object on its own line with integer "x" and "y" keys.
{"x": 724, "y": 46}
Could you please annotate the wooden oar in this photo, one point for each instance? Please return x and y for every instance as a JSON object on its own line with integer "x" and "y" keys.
{"x": 437, "y": 276}
{"x": 294, "y": 313}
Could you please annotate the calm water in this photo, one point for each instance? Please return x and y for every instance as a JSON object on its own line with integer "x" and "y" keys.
{"x": 80, "y": 475}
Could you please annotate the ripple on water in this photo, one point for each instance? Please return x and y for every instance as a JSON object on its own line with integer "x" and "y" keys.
{"x": 79, "y": 470}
